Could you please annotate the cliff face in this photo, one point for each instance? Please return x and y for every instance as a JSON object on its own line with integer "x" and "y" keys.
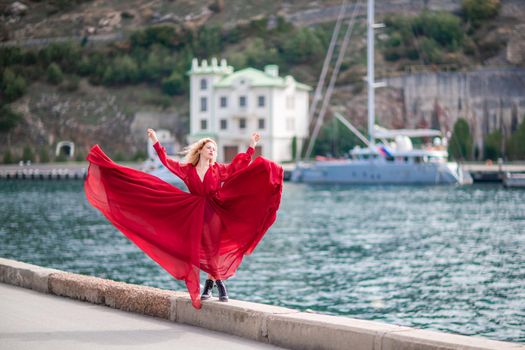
{"x": 490, "y": 99}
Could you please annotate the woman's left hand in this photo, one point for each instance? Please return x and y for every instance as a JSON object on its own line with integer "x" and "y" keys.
{"x": 255, "y": 138}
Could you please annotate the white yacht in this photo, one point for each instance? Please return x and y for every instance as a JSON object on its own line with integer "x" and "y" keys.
{"x": 394, "y": 160}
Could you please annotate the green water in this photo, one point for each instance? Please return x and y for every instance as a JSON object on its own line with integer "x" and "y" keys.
{"x": 442, "y": 258}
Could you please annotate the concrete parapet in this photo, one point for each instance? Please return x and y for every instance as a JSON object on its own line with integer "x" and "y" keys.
{"x": 244, "y": 319}
{"x": 25, "y": 275}
{"x": 265, "y": 323}
{"x": 317, "y": 331}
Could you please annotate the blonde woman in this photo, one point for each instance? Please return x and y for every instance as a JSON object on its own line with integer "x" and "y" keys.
{"x": 224, "y": 216}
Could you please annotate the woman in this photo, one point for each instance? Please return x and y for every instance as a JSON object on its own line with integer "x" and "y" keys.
{"x": 223, "y": 218}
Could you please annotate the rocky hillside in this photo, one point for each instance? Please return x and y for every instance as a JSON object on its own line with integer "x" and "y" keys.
{"x": 125, "y": 68}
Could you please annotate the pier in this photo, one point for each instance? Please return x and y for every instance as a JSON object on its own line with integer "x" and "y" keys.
{"x": 481, "y": 172}
{"x": 164, "y": 316}
{"x": 49, "y": 171}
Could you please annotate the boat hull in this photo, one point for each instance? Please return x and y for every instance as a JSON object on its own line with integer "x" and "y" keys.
{"x": 362, "y": 172}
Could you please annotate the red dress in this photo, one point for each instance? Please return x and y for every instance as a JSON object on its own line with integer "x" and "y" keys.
{"x": 211, "y": 228}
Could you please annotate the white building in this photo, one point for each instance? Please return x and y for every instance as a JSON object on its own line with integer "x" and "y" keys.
{"x": 228, "y": 106}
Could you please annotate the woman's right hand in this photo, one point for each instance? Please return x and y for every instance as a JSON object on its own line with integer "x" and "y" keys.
{"x": 152, "y": 135}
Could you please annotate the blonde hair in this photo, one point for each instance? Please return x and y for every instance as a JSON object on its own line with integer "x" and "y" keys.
{"x": 191, "y": 152}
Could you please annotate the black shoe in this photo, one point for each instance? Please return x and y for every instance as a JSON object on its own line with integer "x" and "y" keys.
{"x": 208, "y": 286}
{"x": 223, "y": 293}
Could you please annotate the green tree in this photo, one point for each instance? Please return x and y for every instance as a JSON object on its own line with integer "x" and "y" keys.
{"x": 207, "y": 42}
{"x": 54, "y": 74}
{"x": 67, "y": 55}
{"x": 335, "y": 140}
{"x": 294, "y": 147}
{"x": 8, "y": 157}
{"x": 27, "y": 154}
{"x": 10, "y": 56}
{"x": 8, "y": 118}
{"x": 460, "y": 144}
{"x": 174, "y": 84}
{"x": 123, "y": 70}
{"x": 477, "y": 11}
{"x": 443, "y": 27}
{"x": 159, "y": 63}
{"x": 43, "y": 156}
{"x": 430, "y": 51}
{"x": 516, "y": 143}
{"x": 139, "y": 156}
{"x": 302, "y": 46}
{"x": 13, "y": 86}
{"x": 492, "y": 145}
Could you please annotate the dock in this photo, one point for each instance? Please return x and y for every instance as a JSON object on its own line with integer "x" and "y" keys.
{"x": 480, "y": 172}
{"x": 48, "y": 171}
{"x": 483, "y": 172}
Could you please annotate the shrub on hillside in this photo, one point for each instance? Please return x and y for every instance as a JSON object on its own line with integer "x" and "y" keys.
{"x": 207, "y": 42}
{"x": 66, "y": 55}
{"x": 430, "y": 51}
{"x": 122, "y": 70}
{"x": 303, "y": 46}
{"x": 477, "y": 11}
{"x": 424, "y": 37}
{"x": 13, "y": 86}
{"x": 442, "y": 27}
{"x": 71, "y": 84}
{"x": 10, "y": 56}
{"x": 54, "y": 74}
{"x": 8, "y": 118}
{"x": 162, "y": 35}
{"x": 174, "y": 84}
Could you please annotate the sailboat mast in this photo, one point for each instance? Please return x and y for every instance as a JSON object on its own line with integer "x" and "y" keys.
{"x": 370, "y": 70}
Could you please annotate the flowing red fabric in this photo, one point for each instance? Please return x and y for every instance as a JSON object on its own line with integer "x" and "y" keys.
{"x": 211, "y": 228}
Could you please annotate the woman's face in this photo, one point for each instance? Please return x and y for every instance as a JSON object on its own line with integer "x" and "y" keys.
{"x": 209, "y": 151}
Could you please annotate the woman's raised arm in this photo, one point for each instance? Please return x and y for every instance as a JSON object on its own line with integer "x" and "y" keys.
{"x": 172, "y": 165}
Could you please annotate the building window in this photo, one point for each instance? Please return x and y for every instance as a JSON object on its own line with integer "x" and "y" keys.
{"x": 242, "y": 123}
{"x": 260, "y": 101}
{"x": 224, "y": 102}
{"x": 204, "y": 84}
{"x": 204, "y": 124}
{"x": 290, "y": 102}
{"x": 242, "y": 101}
{"x": 204, "y": 104}
{"x": 290, "y": 124}
{"x": 224, "y": 124}
{"x": 261, "y": 123}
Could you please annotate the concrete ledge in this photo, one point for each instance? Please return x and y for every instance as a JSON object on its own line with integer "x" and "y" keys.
{"x": 270, "y": 324}
{"x": 241, "y": 318}
{"x": 317, "y": 331}
{"x": 25, "y": 275}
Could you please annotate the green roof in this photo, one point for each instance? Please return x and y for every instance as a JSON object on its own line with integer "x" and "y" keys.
{"x": 258, "y": 78}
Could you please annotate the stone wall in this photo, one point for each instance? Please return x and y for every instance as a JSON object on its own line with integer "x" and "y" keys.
{"x": 490, "y": 99}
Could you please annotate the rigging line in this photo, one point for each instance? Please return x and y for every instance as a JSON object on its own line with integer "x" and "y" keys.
{"x": 331, "y": 84}
{"x": 326, "y": 64}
